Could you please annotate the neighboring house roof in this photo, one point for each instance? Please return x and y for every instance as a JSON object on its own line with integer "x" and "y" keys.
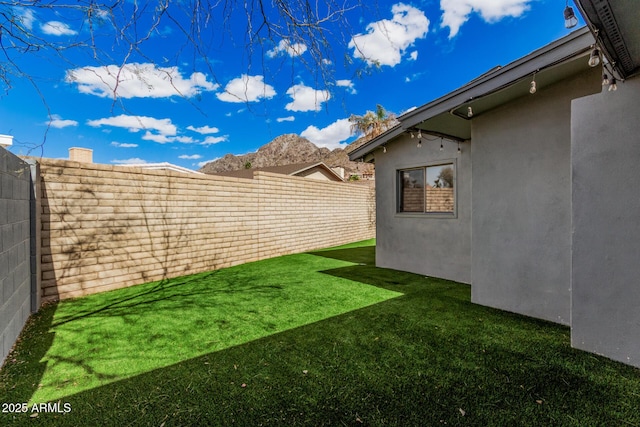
{"x": 6, "y": 140}
{"x": 448, "y": 116}
{"x": 615, "y": 24}
{"x": 297, "y": 169}
{"x": 161, "y": 166}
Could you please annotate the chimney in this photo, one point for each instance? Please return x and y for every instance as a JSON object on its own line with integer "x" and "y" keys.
{"x": 83, "y": 155}
{"x": 6, "y": 141}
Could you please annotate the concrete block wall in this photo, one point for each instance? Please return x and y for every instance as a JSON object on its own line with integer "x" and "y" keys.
{"x": 440, "y": 199}
{"x": 299, "y": 214}
{"x": 437, "y": 199}
{"x": 413, "y": 199}
{"x": 15, "y": 271}
{"x": 106, "y": 227}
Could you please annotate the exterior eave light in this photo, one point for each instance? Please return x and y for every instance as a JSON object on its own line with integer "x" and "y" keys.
{"x": 570, "y": 19}
{"x": 594, "y": 58}
{"x": 533, "y": 87}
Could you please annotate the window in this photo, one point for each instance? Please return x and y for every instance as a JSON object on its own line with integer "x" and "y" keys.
{"x": 429, "y": 189}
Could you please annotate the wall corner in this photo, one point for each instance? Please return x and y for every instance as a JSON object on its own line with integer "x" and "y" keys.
{"x": 35, "y": 210}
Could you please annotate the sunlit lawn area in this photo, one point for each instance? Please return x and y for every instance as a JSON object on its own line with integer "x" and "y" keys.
{"x": 322, "y": 338}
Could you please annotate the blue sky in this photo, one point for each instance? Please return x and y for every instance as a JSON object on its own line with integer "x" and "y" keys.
{"x": 176, "y": 106}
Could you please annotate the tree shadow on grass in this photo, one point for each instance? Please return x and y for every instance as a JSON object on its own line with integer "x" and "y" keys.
{"x": 180, "y": 291}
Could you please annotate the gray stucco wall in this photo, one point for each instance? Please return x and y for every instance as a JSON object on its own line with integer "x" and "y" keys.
{"x": 419, "y": 243}
{"x": 605, "y": 153}
{"x": 521, "y": 244}
{"x": 15, "y": 259}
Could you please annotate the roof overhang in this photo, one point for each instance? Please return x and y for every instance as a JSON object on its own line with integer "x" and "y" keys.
{"x": 320, "y": 165}
{"x": 160, "y": 166}
{"x": 448, "y": 116}
{"x": 616, "y": 24}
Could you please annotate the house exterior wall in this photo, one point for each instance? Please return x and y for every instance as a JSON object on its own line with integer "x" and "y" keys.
{"x": 521, "y": 244}
{"x": 107, "y": 227}
{"x": 605, "y": 144}
{"x": 433, "y": 245}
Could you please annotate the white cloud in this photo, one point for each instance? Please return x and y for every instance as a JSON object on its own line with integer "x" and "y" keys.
{"x": 414, "y": 55}
{"x": 204, "y": 130}
{"x": 137, "y": 80}
{"x": 456, "y": 12}
{"x": 286, "y": 119}
{"x": 211, "y": 140}
{"x": 26, "y": 17}
{"x": 57, "y": 28}
{"x": 201, "y": 164}
{"x": 246, "y": 89}
{"x": 137, "y": 123}
{"x": 164, "y": 139}
{"x": 415, "y": 76}
{"x": 184, "y": 139}
{"x": 191, "y": 157}
{"x": 330, "y": 136}
{"x": 306, "y": 98}
{"x": 123, "y": 144}
{"x": 386, "y": 41}
{"x": 159, "y": 138}
{"x": 59, "y": 123}
{"x": 348, "y": 84}
{"x": 158, "y": 130}
{"x": 132, "y": 161}
{"x": 292, "y": 49}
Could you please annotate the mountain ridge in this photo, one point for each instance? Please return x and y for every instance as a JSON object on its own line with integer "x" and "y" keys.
{"x": 290, "y": 149}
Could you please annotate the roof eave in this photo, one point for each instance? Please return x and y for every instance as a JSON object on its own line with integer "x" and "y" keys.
{"x": 323, "y": 166}
{"x": 560, "y": 50}
{"x": 309, "y": 166}
{"x": 614, "y": 25}
{"x": 364, "y": 149}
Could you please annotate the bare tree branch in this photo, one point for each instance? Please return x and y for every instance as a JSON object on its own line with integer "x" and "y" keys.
{"x": 77, "y": 34}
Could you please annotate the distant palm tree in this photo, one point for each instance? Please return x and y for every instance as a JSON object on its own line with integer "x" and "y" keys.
{"x": 372, "y": 124}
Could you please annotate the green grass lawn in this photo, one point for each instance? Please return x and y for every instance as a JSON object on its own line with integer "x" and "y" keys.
{"x": 322, "y": 338}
